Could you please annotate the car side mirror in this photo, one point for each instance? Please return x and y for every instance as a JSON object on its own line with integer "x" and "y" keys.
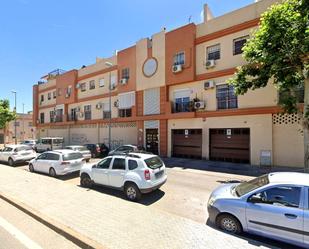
{"x": 255, "y": 199}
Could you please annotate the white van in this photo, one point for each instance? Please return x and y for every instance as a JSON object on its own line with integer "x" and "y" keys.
{"x": 49, "y": 143}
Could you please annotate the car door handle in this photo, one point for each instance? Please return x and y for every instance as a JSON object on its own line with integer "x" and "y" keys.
{"x": 290, "y": 216}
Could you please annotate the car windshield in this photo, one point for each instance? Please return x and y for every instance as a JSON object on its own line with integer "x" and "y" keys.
{"x": 255, "y": 183}
{"x": 72, "y": 156}
{"x": 81, "y": 149}
{"x": 154, "y": 162}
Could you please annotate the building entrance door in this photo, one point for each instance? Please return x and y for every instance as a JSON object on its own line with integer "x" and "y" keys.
{"x": 152, "y": 141}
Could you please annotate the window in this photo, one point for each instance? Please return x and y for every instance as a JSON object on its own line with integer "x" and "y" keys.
{"x": 87, "y": 111}
{"x": 30, "y": 124}
{"x": 182, "y": 105}
{"x": 83, "y": 87}
{"x": 16, "y": 123}
{"x": 238, "y": 44}
{"x": 113, "y": 82}
{"x": 287, "y": 196}
{"x": 42, "y": 118}
{"x": 154, "y": 162}
{"x": 106, "y": 114}
{"x": 91, "y": 84}
{"x": 123, "y": 113}
{"x": 69, "y": 91}
{"x": 226, "y": 98}
{"x": 179, "y": 58}
{"x": 125, "y": 73}
{"x": 52, "y": 116}
{"x": 101, "y": 82}
{"x": 104, "y": 164}
{"x": 7, "y": 149}
{"x": 42, "y": 156}
{"x": 52, "y": 156}
{"x": 49, "y": 96}
{"x": 132, "y": 164}
{"x": 42, "y": 98}
{"x": 298, "y": 91}
{"x": 119, "y": 163}
{"x": 59, "y": 115}
{"x": 54, "y": 94}
{"x": 213, "y": 52}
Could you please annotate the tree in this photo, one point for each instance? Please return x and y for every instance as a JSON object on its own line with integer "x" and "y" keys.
{"x": 6, "y": 115}
{"x": 279, "y": 51}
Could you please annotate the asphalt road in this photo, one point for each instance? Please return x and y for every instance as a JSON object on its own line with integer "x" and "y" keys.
{"x": 185, "y": 194}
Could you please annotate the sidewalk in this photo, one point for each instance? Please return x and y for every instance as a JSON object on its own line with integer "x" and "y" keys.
{"x": 109, "y": 220}
{"x": 225, "y": 167}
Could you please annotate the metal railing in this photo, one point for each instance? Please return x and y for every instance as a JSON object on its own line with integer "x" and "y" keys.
{"x": 182, "y": 107}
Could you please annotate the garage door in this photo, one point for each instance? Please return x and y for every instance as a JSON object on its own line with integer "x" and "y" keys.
{"x": 187, "y": 143}
{"x": 231, "y": 145}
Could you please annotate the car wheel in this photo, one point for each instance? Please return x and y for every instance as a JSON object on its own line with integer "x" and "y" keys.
{"x": 31, "y": 169}
{"x": 132, "y": 192}
{"x": 52, "y": 172}
{"x": 87, "y": 160}
{"x": 11, "y": 162}
{"x": 85, "y": 181}
{"x": 229, "y": 224}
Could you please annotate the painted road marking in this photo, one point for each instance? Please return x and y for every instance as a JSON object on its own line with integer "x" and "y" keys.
{"x": 26, "y": 241}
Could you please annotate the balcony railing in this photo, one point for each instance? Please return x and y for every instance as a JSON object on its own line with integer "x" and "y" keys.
{"x": 182, "y": 107}
{"x": 72, "y": 117}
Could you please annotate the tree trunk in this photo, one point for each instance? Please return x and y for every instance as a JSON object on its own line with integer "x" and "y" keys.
{"x": 306, "y": 125}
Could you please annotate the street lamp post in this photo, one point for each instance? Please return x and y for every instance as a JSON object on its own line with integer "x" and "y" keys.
{"x": 109, "y": 64}
{"x": 15, "y": 124}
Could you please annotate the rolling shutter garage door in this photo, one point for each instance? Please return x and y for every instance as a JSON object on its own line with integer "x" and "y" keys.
{"x": 187, "y": 143}
{"x": 230, "y": 145}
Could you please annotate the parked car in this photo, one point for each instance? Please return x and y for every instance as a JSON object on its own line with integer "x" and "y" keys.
{"x": 126, "y": 149}
{"x": 29, "y": 142}
{"x": 274, "y": 205}
{"x": 13, "y": 154}
{"x": 97, "y": 150}
{"x": 49, "y": 143}
{"x": 134, "y": 173}
{"x": 82, "y": 149}
{"x": 57, "y": 162}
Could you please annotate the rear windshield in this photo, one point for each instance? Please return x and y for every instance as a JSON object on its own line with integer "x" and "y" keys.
{"x": 154, "y": 162}
{"x": 255, "y": 183}
{"x": 72, "y": 156}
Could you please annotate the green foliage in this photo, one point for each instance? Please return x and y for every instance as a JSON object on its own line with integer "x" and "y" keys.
{"x": 278, "y": 50}
{"x": 5, "y": 114}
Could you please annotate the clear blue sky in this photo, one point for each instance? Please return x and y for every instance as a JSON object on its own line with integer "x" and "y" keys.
{"x": 38, "y": 36}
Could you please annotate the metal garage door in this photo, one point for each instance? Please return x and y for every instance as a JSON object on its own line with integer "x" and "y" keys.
{"x": 187, "y": 143}
{"x": 231, "y": 145}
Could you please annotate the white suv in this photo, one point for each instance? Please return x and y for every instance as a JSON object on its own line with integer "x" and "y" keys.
{"x": 13, "y": 154}
{"x": 134, "y": 173}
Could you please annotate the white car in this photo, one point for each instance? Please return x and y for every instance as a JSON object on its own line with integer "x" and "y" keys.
{"x": 82, "y": 149}
{"x": 57, "y": 162}
{"x": 49, "y": 143}
{"x": 134, "y": 173}
{"x": 13, "y": 154}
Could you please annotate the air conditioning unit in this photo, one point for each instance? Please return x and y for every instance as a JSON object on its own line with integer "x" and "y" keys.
{"x": 209, "y": 84}
{"x": 199, "y": 105}
{"x": 123, "y": 81}
{"x": 81, "y": 114}
{"x": 116, "y": 103}
{"x": 98, "y": 106}
{"x": 77, "y": 85}
{"x": 210, "y": 63}
{"x": 177, "y": 68}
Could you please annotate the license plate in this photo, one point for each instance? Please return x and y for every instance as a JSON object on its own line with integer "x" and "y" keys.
{"x": 159, "y": 174}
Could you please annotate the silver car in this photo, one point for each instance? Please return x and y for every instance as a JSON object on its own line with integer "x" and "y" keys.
{"x": 274, "y": 205}
{"x": 81, "y": 149}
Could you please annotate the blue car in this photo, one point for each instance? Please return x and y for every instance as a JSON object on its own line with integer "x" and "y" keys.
{"x": 275, "y": 205}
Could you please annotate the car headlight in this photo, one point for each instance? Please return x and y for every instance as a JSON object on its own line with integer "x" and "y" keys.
{"x": 211, "y": 200}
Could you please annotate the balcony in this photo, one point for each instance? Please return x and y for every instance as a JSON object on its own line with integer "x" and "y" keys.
{"x": 72, "y": 118}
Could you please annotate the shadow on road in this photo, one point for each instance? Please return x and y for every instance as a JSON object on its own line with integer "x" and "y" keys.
{"x": 147, "y": 199}
{"x": 257, "y": 240}
{"x": 69, "y": 176}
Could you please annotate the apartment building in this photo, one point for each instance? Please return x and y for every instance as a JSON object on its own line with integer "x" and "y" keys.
{"x": 24, "y": 129}
{"x": 169, "y": 94}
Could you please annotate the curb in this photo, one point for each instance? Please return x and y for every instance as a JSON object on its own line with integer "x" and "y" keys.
{"x": 71, "y": 235}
